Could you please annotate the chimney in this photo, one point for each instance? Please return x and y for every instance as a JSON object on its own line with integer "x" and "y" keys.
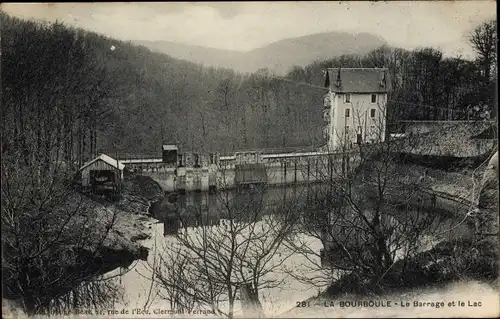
{"x": 338, "y": 82}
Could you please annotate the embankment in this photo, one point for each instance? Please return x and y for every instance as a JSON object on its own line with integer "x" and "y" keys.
{"x": 99, "y": 236}
{"x": 133, "y": 221}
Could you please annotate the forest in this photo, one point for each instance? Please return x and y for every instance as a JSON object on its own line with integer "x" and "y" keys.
{"x": 77, "y": 93}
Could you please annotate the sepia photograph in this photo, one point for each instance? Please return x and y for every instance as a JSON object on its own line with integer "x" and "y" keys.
{"x": 274, "y": 159}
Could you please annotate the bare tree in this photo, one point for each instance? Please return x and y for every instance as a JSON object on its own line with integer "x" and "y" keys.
{"x": 206, "y": 266}
{"x": 374, "y": 210}
{"x": 483, "y": 39}
{"x": 54, "y": 92}
{"x": 51, "y": 238}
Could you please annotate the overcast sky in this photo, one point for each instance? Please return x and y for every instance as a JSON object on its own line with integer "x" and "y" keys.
{"x": 248, "y": 25}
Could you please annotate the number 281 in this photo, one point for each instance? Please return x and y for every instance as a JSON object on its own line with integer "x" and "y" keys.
{"x": 302, "y": 303}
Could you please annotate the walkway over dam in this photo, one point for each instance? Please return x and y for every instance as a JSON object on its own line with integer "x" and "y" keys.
{"x": 203, "y": 172}
{"x": 210, "y": 172}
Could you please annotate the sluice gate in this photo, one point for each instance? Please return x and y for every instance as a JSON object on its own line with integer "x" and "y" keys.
{"x": 209, "y": 172}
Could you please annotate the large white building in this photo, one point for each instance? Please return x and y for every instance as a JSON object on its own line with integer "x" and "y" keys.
{"x": 355, "y": 106}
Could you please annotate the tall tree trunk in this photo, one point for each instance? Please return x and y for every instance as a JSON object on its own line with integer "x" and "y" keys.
{"x": 80, "y": 145}
{"x": 84, "y": 144}
{"x": 22, "y": 135}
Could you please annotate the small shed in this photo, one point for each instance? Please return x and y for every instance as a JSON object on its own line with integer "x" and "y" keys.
{"x": 101, "y": 173}
{"x": 169, "y": 154}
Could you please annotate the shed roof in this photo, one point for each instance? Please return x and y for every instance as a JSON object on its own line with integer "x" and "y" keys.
{"x": 107, "y": 159}
{"x": 358, "y": 80}
{"x": 170, "y": 147}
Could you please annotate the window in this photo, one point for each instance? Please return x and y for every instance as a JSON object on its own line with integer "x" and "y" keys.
{"x": 372, "y": 113}
{"x": 348, "y": 98}
{"x": 374, "y": 98}
{"x": 347, "y": 129}
{"x": 347, "y": 112}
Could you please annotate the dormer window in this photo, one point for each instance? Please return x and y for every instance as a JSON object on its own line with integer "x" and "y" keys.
{"x": 347, "y": 98}
{"x": 338, "y": 81}
{"x": 382, "y": 82}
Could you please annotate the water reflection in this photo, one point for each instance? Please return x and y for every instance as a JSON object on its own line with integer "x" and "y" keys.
{"x": 197, "y": 209}
{"x": 310, "y": 203}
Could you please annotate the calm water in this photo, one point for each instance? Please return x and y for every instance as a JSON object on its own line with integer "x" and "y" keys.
{"x": 207, "y": 209}
{"x": 196, "y": 209}
{"x": 203, "y": 209}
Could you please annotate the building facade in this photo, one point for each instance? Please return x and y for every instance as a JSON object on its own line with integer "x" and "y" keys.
{"x": 101, "y": 174}
{"x": 355, "y": 108}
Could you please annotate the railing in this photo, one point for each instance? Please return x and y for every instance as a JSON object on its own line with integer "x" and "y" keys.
{"x": 139, "y": 161}
{"x": 285, "y": 149}
{"x": 229, "y": 158}
{"x": 128, "y": 156}
{"x": 268, "y": 155}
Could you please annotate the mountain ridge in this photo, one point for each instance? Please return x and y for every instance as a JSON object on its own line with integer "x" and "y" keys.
{"x": 278, "y": 56}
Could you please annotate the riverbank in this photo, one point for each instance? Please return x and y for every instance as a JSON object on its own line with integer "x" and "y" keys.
{"x": 133, "y": 220}
{"x": 97, "y": 236}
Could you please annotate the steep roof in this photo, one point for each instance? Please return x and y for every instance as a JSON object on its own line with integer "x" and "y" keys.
{"x": 107, "y": 159}
{"x": 359, "y": 80}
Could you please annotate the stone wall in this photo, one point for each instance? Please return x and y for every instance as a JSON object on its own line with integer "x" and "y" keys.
{"x": 448, "y": 138}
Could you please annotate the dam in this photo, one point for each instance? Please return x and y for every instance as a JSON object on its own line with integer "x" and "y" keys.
{"x": 186, "y": 172}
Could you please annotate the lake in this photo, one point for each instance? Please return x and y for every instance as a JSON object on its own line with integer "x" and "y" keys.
{"x": 193, "y": 212}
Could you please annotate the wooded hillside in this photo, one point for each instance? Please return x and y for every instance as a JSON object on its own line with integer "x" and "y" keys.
{"x": 78, "y": 93}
